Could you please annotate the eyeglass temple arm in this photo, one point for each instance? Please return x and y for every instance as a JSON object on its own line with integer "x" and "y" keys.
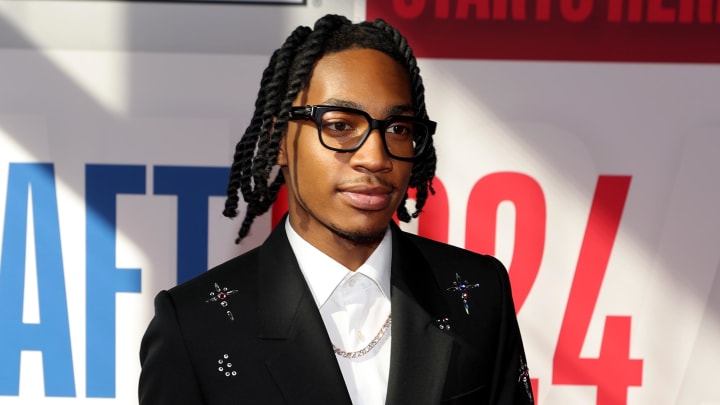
{"x": 301, "y": 112}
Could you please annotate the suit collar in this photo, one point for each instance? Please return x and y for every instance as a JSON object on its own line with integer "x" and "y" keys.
{"x": 291, "y": 322}
{"x": 282, "y": 287}
{"x": 412, "y": 274}
{"x": 420, "y": 350}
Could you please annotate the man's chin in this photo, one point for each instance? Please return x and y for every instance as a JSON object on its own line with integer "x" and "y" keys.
{"x": 363, "y": 237}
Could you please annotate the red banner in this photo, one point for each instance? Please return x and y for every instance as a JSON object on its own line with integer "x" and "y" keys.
{"x": 567, "y": 30}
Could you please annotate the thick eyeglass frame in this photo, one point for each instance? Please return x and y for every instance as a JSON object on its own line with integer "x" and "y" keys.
{"x": 316, "y": 112}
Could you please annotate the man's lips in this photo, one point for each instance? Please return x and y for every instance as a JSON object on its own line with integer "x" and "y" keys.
{"x": 367, "y": 198}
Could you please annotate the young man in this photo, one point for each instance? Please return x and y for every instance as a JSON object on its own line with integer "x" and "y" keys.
{"x": 338, "y": 306}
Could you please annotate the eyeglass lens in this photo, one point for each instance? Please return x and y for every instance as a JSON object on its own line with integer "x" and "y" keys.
{"x": 343, "y": 130}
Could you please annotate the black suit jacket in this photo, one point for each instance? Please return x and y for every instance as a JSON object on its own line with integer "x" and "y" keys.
{"x": 249, "y": 332}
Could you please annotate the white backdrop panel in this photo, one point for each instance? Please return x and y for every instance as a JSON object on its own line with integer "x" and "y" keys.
{"x": 560, "y": 124}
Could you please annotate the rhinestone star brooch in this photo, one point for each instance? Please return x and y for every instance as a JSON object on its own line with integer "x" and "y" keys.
{"x": 463, "y": 287}
{"x": 221, "y": 295}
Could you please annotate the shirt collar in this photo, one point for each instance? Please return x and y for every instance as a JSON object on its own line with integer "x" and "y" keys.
{"x": 323, "y": 274}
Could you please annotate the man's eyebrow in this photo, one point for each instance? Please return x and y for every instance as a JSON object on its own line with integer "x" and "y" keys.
{"x": 401, "y": 109}
{"x": 392, "y": 110}
{"x": 336, "y": 102}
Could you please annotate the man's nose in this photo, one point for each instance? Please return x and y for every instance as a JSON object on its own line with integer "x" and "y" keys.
{"x": 372, "y": 154}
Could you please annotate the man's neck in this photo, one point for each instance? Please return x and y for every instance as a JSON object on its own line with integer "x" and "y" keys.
{"x": 351, "y": 254}
{"x": 349, "y": 251}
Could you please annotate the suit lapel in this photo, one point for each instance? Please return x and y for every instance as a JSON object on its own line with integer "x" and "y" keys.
{"x": 304, "y": 365}
{"x": 420, "y": 350}
{"x": 304, "y": 361}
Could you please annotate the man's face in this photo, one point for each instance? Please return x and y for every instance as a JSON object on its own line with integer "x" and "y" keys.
{"x": 351, "y": 195}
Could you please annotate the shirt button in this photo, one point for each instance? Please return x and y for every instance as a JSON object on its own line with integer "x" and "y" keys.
{"x": 352, "y": 282}
{"x": 359, "y": 335}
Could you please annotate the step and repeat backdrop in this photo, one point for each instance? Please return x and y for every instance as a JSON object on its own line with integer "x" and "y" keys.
{"x": 578, "y": 141}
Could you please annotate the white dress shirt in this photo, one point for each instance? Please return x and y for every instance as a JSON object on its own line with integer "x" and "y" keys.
{"x": 354, "y": 306}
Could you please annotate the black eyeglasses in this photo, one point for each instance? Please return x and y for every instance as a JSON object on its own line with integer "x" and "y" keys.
{"x": 345, "y": 129}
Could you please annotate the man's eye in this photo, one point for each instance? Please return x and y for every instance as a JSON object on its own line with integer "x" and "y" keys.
{"x": 400, "y": 129}
{"x": 338, "y": 126}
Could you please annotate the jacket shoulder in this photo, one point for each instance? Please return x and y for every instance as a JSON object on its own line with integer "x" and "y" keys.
{"x": 485, "y": 276}
{"x": 233, "y": 267}
{"x": 238, "y": 274}
{"x": 442, "y": 255}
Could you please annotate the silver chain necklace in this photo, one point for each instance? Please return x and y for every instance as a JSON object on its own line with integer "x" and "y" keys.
{"x": 370, "y": 346}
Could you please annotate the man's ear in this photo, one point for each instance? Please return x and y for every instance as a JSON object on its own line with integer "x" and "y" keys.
{"x": 282, "y": 158}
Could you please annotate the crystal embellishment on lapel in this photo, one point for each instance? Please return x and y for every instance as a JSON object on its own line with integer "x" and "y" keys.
{"x": 225, "y": 366}
{"x": 442, "y": 323}
{"x": 463, "y": 287}
{"x": 524, "y": 378}
{"x": 221, "y": 294}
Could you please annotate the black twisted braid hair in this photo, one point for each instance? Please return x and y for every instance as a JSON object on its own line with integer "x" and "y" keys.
{"x": 286, "y": 75}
